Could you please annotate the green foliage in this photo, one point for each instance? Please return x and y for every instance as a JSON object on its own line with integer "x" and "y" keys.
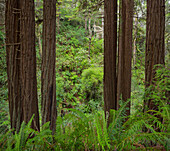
{"x": 158, "y": 93}
{"x": 75, "y": 36}
{"x": 96, "y": 46}
{"x": 129, "y": 135}
{"x": 79, "y": 131}
{"x": 3, "y": 83}
{"x": 101, "y": 129}
{"x": 79, "y": 86}
{"x": 138, "y": 86}
{"x": 92, "y": 86}
{"x": 3, "y": 74}
{"x": 27, "y": 138}
{"x": 159, "y": 90}
{"x": 90, "y": 5}
{"x": 72, "y": 62}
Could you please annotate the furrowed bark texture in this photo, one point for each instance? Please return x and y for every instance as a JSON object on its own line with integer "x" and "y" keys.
{"x": 127, "y": 27}
{"x": 21, "y": 63}
{"x": 155, "y": 44}
{"x": 12, "y": 28}
{"x": 110, "y": 45}
{"x": 28, "y": 63}
{"x": 48, "y": 89}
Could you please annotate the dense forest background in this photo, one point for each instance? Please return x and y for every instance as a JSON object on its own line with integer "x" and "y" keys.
{"x": 82, "y": 121}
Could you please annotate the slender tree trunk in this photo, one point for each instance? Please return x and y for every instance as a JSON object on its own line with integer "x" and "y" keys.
{"x": 85, "y": 19}
{"x": 90, "y": 35}
{"x": 155, "y": 43}
{"x": 134, "y": 42}
{"x": 127, "y": 27}
{"x": 89, "y": 27}
{"x": 12, "y": 25}
{"x": 48, "y": 90}
{"x": 28, "y": 63}
{"x": 110, "y": 45}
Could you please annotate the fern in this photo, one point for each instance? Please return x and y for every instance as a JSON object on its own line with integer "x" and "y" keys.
{"x": 84, "y": 131}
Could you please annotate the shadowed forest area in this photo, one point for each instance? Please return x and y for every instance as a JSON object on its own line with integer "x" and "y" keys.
{"x": 84, "y": 75}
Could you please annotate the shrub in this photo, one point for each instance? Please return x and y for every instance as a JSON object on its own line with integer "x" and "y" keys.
{"x": 92, "y": 83}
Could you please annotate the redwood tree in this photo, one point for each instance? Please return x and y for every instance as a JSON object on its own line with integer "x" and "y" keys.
{"x": 110, "y": 46}
{"x": 127, "y": 27}
{"x": 125, "y": 51}
{"x": 115, "y": 86}
{"x": 28, "y": 63}
{"x": 21, "y": 62}
{"x": 155, "y": 44}
{"x": 48, "y": 87}
{"x": 13, "y": 45}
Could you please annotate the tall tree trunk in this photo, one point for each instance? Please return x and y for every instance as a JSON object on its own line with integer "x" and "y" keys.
{"x": 21, "y": 63}
{"x": 12, "y": 25}
{"x": 155, "y": 44}
{"x": 110, "y": 45}
{"x": 48, "y": 90}
{"x": 127, "y": 27}
{"x": 28, "y": 63}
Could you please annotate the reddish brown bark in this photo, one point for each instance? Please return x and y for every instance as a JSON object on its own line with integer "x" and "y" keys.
{"x": 48, "y": 89}
{"x": 28, "y": 63}
{"x": 110, "y": 46}
{"x": 127, "y": 27}
{"x": 21, "y": 63}
{"x": 155, "y": 43}
{"x": 12, "y": 26}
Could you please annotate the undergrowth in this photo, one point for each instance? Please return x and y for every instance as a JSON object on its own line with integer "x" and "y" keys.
{"x": 83, "y": 131}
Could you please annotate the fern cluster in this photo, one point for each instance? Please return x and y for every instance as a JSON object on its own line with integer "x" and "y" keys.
{"x": 83, "y": 131}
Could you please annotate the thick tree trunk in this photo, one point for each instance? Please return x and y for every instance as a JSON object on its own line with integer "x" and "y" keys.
{"x": 28, "y": 63}
{"x": 155, "y": 44}
{"x": 48, "y": 90}
{"x": 127, "y": 27}
{"x": 110, "y": 45}
{"x": 12, "y": 24}
{"x": 21, "y": 63}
